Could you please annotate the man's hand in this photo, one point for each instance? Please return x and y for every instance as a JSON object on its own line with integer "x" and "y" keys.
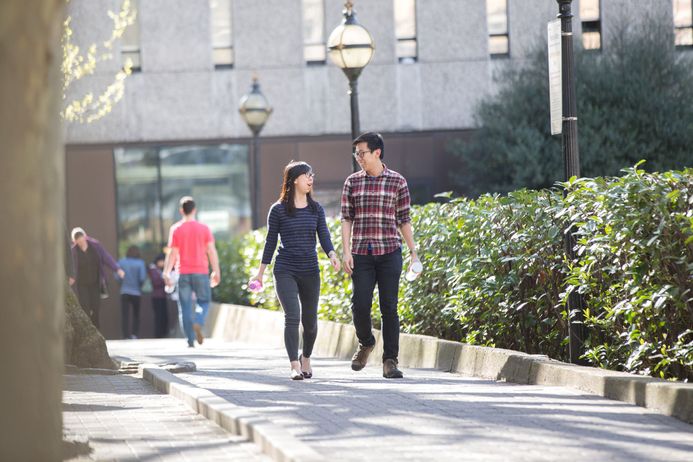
{"x": 214, "y": 279}
{"x": 348, "y": 262}
{"x": 121, "y": 273}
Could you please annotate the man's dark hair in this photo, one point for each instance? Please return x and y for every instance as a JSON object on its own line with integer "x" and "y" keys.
{"x": 187, "y": 204}
{"x": 374, "y": 141}
{"x": 133, "y": 252}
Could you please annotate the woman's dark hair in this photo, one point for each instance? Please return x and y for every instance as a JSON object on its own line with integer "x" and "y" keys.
{"x": 133, "y": 252}
{"x": 287, "y": 197}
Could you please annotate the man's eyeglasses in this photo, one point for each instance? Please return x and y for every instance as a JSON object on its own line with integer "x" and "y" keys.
{"x": 361, "y": 154}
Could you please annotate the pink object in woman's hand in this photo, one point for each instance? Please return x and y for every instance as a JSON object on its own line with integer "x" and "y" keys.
{"x": 255, "y": 286}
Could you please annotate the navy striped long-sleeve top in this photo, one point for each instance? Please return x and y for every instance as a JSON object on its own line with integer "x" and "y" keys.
{"x": 297, "y": 253}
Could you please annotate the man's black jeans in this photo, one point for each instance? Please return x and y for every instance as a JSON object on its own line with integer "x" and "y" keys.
{"x": 384, "y": 270}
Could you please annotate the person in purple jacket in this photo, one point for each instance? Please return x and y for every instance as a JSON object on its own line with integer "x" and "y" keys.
{"x": 89, "y": 259}
{"x": 159, "y": 296}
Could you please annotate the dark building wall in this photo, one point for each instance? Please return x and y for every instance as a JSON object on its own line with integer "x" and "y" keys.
{"x": 421, "y": 157}
{"x": 91, "y": 204}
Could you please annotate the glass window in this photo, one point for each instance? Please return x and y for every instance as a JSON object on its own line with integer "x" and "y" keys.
{"x": 314, "y": 31}
{"x": 151, "y": 181}
{"x": 138, "y": 200}
{"x": 222, "y": 39}
{"x": 130, "y": 41}
{"x": 590, "y": 17}
{"x": 683, "y": 23}
{"x": 497, "y": 19}
{"x": 405, "y": 30}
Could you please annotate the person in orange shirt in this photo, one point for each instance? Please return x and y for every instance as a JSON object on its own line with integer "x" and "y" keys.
{"x": 192, "y": 249}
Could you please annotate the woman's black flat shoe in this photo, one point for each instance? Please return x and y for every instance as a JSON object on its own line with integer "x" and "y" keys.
{"x": 306, "y": 375}
{"x": 296, "y": 375}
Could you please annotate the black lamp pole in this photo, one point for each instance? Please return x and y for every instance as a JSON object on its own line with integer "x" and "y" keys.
{"x": 256, "y": 178}
{"x": 571, "y": 161}
{"x": 352, "y": 74}
{"x": 255, "y": 111}
{"x": 351, "y": 47}
{"x": 355, "y": 124}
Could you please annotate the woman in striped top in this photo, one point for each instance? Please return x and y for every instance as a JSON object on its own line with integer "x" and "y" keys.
{"x": 297, "y": 218}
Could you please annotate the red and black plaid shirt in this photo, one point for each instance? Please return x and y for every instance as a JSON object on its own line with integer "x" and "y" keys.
{"x": 376, "y": 206}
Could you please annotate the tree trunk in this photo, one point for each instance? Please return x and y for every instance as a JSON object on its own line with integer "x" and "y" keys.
{"x": 84, "y": 344}
{"x": 32, "y": 209}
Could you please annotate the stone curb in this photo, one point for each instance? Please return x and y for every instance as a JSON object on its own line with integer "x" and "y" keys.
{"x": 273, "y": 440}
{"x": 242, "y": 323}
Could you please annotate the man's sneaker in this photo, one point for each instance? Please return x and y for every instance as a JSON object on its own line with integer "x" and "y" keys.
{"x": 390, "y": 370}
{"x": 360, "y": 358}
{"x": 198, "y": 333}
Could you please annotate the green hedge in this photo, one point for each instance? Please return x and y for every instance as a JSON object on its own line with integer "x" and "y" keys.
{"x": 495, "y": 272}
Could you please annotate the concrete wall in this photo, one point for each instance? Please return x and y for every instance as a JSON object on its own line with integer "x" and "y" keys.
{"x": 179, "y": 95}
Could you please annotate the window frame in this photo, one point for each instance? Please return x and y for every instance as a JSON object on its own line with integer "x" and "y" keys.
{"x": 322, "y": 43}
{"x": 592, "y": 26}
{"x": 128, "y": 50}
{"x": 688, "y": 26}
{"x": 505, "y": 35}
{"x": 406, "y": 38}
{"x": 218, "y": 65}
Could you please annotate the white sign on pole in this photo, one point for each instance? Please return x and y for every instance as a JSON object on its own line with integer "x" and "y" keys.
{"x": 555, "y": 76}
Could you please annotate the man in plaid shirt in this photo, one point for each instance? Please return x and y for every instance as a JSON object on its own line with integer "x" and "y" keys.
{"x": 375, "y": 210}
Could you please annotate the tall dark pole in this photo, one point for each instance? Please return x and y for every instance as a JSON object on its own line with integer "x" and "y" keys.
{"x": 350, "y": 46}
{"x": 355, "y": 125}
{"x": 255, "y": 110}
{"x": 163, "y": 239}
{"x": 256, "y": 180}
{"x": 571, "y": 160}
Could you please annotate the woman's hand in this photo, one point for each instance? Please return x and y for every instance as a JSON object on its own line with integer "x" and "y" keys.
{"x": 257, "y": 277}
{"x": 334, "y": 261}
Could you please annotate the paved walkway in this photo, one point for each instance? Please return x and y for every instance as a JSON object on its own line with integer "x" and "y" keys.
{"x": 121, "y": 417}
{"x": 429, "y": 415}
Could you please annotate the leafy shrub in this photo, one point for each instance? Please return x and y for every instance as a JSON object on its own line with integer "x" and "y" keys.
{"x": 233, "y": 273}
{"x": 635, "y": 269}
{"x": 493, "y": 273}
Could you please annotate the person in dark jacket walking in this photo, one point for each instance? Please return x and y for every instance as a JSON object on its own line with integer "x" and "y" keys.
{"x": 155, "y": 271}
{"x": 297, "y": 218}
{"x": 89, "y": 259}
{"x": 131, "y": 290}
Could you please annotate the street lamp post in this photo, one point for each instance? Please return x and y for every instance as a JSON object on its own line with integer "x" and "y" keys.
{"x": 571, "y": 161}
{"x": 350, "y": 46}
{"x": 255, "y": 111}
